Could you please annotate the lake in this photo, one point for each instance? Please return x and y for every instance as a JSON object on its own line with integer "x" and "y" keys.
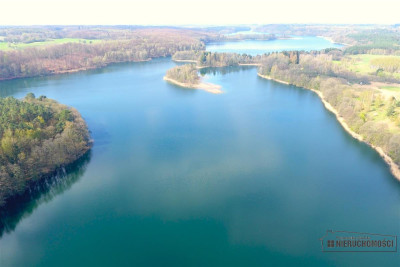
{"x": 181, "y": 177}
{"x": 257, "y": 47}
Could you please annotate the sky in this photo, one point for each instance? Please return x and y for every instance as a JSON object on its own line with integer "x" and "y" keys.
{"x": 195, "y": 12}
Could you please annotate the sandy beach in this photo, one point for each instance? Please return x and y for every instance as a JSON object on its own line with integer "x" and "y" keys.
{"x": 208, "y": 87}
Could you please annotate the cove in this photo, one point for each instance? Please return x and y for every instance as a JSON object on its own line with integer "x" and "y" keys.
{"x": 254, "y": 176}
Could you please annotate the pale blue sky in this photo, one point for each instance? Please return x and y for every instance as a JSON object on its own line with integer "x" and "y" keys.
{"x": 179, "y": 12}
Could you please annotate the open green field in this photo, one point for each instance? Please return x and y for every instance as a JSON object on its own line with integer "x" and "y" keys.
{"x": 5, "y": 46}
{"x": 391, "y": 88}
{"x": 362, "y": 64}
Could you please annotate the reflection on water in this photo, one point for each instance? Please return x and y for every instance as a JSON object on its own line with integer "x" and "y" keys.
{"x": 42, "y": 192}
{"x": 224, "y": 70}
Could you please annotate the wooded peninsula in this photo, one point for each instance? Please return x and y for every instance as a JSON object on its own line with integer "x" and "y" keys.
{"x": 37, "y": 136}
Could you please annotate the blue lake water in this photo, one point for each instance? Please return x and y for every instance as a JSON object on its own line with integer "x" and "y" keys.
{"x": 181, "y": 177}
{"x": 258, "y": 47}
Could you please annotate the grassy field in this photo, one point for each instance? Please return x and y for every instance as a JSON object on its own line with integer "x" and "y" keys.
{"x": 5, "y": 46}
{"x": 362, "y": 64}
{"x": 391, "y": 88}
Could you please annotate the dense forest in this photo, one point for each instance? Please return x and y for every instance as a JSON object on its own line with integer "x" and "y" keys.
{"x": 45, "y": 50}
{"x": 331, "y": 62}
{"x": 377, "y": 41}
{"x": 31, "y": 34}
{"x": 211, "y": 59}
{"x": 140, "y": 45}
{"x": 38, "y": 51}
{"x": 37, "y": 136}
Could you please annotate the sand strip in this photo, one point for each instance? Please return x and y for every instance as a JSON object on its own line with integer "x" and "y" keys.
{"x": 208, "y": 87}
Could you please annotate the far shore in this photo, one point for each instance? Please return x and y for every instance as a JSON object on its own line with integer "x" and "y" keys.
{"x": 67, "y": 71}
{"x": 289, "y": 38}
{"x": 249, "y": 64}
{"x": 394, "y": 168}
{"x": 204, "y": 67}
{"x": 208, "y": 87}
{"x": 331, "y": 40}
{"x": 239, "y": 64}
{"x": 259, "y": 39}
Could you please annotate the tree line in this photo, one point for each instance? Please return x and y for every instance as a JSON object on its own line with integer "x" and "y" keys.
{"x": 375, "y": 41}
{"x": 184, "y": 74}
{"x": 390, "y": 64}
{"x": 215, "y": 59}
{"x": 314, "y": 62}
{"x": 50, "y": 59}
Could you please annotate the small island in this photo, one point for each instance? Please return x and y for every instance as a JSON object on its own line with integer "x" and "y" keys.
{"x": 37, "y": 137}
{"x": 187, "y": 76}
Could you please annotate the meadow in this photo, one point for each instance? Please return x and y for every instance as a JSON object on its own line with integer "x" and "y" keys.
{"x": 363, "y": 64}
{"x": 7, "y": 46}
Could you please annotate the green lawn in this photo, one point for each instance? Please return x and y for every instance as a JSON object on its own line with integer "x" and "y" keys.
{"x": 362, "y": 64}
{"x": 4, "y": 46}
{"x": 391, "y": 88}
{"x": 9, "y": 46}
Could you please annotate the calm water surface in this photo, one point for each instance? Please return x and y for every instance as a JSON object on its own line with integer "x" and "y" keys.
{"x": 256, "y": 47}
{"x": 178, "y": 177}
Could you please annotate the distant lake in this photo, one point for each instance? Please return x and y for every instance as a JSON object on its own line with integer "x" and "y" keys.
{"x": 258, "y": 47}
{"x": 181, "y": 177}
{"x": 246, "y": 32}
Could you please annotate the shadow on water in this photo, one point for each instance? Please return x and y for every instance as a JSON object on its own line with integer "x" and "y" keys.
{"x": 42, "y": 192}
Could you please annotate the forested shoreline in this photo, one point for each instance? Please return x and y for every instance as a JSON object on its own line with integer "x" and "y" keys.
{"x": 37, "y": 137}
{"x": 368, "y": 112}
{"x": 62, "y": 58}
{"x": 96, "y": 47}
{"x": 90, "y": 47}
{"x": 360, "y": 99}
